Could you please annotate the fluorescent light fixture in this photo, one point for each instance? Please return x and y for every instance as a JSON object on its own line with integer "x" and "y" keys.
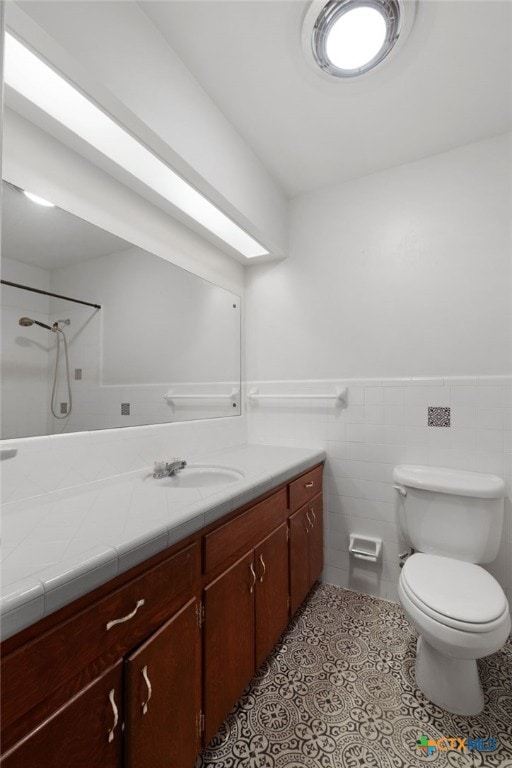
{"x": 36, "y": 81}
{"x": 38, "y": 200}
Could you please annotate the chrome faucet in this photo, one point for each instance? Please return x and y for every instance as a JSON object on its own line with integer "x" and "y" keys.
{"x": 168, "y": 468}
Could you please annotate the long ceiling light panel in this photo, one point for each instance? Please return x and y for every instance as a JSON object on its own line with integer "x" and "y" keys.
{"x": 37, "y": 82}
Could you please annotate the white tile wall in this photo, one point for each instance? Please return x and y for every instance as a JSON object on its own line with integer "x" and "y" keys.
{"x": 25, "y": 390}
{"x": 99, "y": 407}
{"x": 384, "y": 423}
{"x": 56, "y": 462}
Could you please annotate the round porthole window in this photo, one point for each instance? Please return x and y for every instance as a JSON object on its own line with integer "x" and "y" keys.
{"x": 347, "y": 38}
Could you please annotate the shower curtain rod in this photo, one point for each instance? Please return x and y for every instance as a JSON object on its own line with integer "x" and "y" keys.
{"x": 49, "y": 293}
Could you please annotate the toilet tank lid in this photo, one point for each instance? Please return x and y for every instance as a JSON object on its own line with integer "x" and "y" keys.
{"x": 455, "y": 481}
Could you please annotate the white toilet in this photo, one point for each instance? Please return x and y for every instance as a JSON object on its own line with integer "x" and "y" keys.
{"x": 453, "y": 520}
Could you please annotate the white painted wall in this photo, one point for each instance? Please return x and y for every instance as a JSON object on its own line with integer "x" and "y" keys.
{"x": 25, "y": 393}
{"x": 158, "y": 324}
{"x": 117, "y": 56}
{"x": 402, "y": 279}
{"x": 159, "y": 328}
{"x": 403, "y": 273}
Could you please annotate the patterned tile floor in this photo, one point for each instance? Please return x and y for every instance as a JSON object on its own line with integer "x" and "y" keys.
{"x": 338, "y": 691}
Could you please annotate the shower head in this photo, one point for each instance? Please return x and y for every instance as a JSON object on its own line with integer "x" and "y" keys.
{"x": 26, "y": 321}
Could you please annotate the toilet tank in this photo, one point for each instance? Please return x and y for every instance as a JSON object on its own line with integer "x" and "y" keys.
{"x": 450, "y": 512}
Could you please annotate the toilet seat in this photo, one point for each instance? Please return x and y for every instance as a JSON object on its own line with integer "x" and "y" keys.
{"x": 455, "y": 593}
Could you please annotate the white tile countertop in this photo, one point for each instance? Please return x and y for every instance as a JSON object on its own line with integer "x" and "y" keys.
{"x": 59, "y": 546}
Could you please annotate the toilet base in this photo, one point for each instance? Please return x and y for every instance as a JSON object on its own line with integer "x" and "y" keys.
{"x": 452, "y": 684}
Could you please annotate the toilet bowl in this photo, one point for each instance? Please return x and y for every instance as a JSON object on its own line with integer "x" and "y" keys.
{"x": 453, "y": 520}
{"x": 461, "y": 614}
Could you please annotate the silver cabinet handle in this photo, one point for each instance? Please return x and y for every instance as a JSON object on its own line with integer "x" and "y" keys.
{"x": 313, "y": 513}
{"x": 263, "y": 566}
{"x": 309, "y": 485}
{"x": 309, "y": 520}
{"x": 115, "y": 712}
{"x": 150, "y": 690}
{"x": 251, "y": 568}
{"x": 113, "y": 623}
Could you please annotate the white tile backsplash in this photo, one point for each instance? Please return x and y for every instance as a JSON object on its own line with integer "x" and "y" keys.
{"x": 382, "y": 424}
{"x": 394, "y": 395}
{"x": 374, "y": 395}
{"x": 490, "y": 418}
{"x": 54, "y": 463}
{"x": 490, "y": 396}
{"x": 415, "y": 395}
{"x": 463, "y": 395}
{"x": 464, "y": 416}
{"x": 439, "y": 395}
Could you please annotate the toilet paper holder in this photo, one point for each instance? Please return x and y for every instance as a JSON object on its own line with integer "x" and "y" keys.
{"x": 365, "y": 547}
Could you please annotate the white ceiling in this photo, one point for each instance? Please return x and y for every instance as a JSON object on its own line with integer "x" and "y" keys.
{"x": 50, "y": 238}
{"x": 449, "y": 85}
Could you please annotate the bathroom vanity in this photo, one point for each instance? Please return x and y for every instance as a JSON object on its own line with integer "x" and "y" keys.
{"x": 142, "y": 670}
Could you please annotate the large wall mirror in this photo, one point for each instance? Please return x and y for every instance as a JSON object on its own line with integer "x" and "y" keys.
{"x": 111, "y": 335}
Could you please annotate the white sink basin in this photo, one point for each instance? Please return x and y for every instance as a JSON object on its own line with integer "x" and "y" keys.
{"x": 201, "y": 476}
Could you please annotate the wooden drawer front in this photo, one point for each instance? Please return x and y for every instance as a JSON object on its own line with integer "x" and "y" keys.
{"x": 244, "y": 531}
{"x": 110, "y": 628}
{"x": 305, "y": 488}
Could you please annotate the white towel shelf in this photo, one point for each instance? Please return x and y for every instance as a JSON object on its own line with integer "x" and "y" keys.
{"x": 194, "y": 396}
{"x": 339, "y": 395}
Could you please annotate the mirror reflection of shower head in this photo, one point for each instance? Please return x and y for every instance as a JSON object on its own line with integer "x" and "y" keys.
{"x": 26, "y": 321}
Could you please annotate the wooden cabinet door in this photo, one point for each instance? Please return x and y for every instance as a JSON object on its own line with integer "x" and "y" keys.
{"x": 228, "y": 640}
{"x": 316, "y": 539}
{"x": 299, "y": 558}
{"x": 271, "y": 565}
{"x": 84, "y": 733}
{"x": 163, "y": 695}
{"x": 55, "y": 657}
